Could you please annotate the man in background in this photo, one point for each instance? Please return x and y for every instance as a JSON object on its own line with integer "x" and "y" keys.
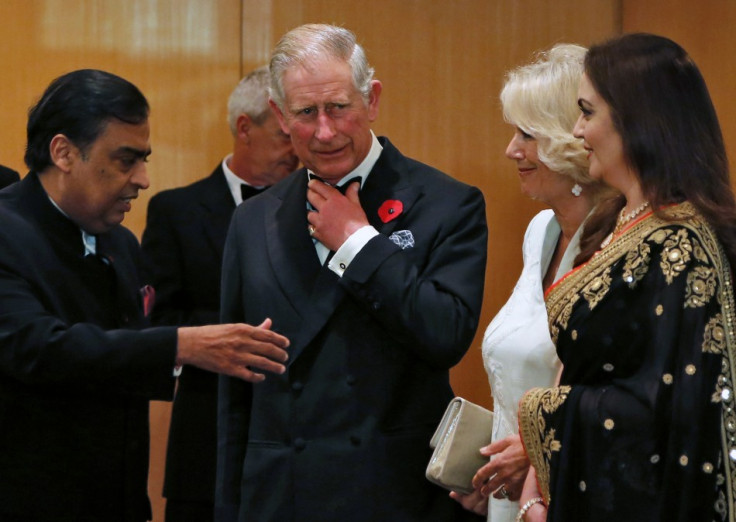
{"x": 78, "y": 364}
{"x": 182, "y": 245}
{"x": 379, "y": 291}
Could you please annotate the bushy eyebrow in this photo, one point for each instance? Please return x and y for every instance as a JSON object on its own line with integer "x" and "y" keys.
{"x": 132, "y": 151}
{"x": 326, "y": 105}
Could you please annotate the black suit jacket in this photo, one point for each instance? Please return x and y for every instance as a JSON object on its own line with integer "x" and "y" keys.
{"x": 344, "y": 433}
{"x": 182, "y": 245}
{"x": 7, "y": 176}
{"x": 75, "y": 373}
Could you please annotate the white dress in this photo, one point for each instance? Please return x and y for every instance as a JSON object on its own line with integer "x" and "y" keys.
{"x": 518, "y": 353}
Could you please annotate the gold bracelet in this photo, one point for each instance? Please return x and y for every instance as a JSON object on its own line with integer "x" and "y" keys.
{"x": 526, "y": 507}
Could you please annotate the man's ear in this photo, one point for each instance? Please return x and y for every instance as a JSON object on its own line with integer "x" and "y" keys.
{"x": 63, "y": 152}
{"x": 373, "y": 99}
{"x": 279, "y": 116}
{"x": 242, "y": 127}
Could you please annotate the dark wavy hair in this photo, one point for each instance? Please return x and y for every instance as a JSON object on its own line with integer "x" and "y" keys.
{"x": 79, "y": 105}
{"x": 671, "y": 137}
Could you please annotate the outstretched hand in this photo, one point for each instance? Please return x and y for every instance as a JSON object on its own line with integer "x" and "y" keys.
{"x": 235, "y": 349}
{"x": 336, "y": 216}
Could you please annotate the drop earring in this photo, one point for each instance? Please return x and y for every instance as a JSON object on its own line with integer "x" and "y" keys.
{"x": 576, "y": 190}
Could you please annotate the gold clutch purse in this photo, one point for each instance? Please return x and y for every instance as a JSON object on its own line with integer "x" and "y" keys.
{"x": 464, "y": 429}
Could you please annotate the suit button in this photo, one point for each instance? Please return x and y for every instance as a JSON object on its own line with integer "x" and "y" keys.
{"x": 297, "y": 386}
{"x": 350, "y": 380}
{"x": 300, "y": 444}
{"x": 376, "y": 305}
{"x": 355, "y": 440}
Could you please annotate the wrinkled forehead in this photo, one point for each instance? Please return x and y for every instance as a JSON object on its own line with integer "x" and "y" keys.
{"x": 324, "y": 81}
{"x": 322, "y": 69}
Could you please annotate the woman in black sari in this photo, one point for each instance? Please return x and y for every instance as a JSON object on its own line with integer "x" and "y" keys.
{"x": 642, "y": 425}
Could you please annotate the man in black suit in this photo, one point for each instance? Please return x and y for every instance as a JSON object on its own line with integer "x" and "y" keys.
{"x": 379, "y": 291}
{"x": 77, "y": 363}
{"x": 7, "y": 176}
{"x": 182, "y": 246}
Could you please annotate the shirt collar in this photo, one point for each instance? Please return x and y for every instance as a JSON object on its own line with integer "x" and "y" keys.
{"x": 234, "y": 181}
{"x": 89, "y": 240}
{"x": 90, "y": 244}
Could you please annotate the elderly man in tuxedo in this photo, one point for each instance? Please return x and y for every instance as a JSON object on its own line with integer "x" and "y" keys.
{"x": 379, "y": 291}
{"x": 78, "y": 364}
{"x": 182, "y": 245}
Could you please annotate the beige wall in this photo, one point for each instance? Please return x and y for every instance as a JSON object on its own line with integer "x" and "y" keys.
{"x": 441, "y": 64}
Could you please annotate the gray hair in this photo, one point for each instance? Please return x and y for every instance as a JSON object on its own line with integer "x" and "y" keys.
{"x": 250, "y": 97}
{"x": 311, "y": 43}
{"x": 541, "y": 99}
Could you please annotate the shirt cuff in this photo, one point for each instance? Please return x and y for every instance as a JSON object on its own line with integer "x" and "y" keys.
{"x": 177, "y": 366}
{"x": 350, "y": 248}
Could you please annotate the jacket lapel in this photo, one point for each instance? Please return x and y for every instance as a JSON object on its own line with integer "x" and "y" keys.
{"x": 389, "y": 180}
{"x": 129, "y": 298}
{"x": 217, "y": 205}
{"x": 289, "y": 246}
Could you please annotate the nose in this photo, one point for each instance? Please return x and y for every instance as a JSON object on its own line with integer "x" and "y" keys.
{"x": 513, "y": 151}
{"x": 140, "y": 177}
{"x": 577, "y": 130}
{"x": 325, "y": 127}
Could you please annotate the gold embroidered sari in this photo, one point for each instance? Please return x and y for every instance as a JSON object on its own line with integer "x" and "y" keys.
{"x": 642, "y": 425}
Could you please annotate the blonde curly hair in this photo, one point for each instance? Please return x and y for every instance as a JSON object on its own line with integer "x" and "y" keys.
{"x": 541, "y": 99}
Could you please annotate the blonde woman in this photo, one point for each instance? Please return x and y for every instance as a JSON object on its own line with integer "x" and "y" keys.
{"x": 539, "y": 101}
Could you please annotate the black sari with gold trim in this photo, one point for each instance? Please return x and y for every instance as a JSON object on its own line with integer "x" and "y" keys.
{"x": 642, "y": 426}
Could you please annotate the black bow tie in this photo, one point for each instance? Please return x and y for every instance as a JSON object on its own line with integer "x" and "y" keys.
{"x": 342, "y": 188}
{"x": 247, "y": 191}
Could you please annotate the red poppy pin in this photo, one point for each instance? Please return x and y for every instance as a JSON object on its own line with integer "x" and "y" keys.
{"x": 149, "y": 297}
{"x": 390, "y": 210}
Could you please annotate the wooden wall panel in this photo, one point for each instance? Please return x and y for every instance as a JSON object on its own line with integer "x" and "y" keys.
{"x": 442, "y": 66}
{"x": 705, "y": 30}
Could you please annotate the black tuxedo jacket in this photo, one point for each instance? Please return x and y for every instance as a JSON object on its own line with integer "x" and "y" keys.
{"x": 344, "y": 433}
{"x": 75, "y": 373}
{"x": 7, "y": 176}
{"x": 182, "y": 245}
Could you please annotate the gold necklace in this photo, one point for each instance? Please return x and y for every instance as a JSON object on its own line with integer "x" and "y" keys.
{"x": 623, "y": 220}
